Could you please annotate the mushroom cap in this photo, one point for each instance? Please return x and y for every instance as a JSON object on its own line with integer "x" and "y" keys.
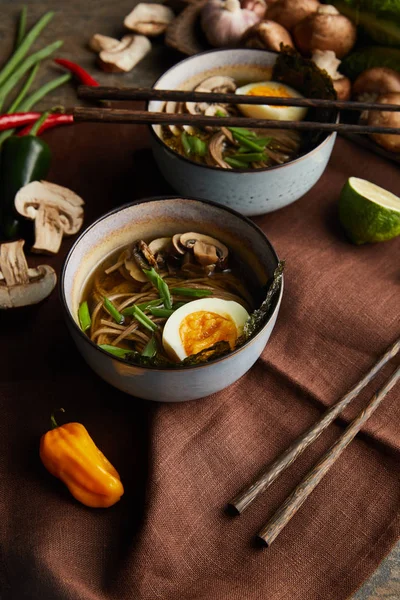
{"x": 43, "y": 193}
{"x": 268, "y": 35}
{"x": 325, "y": 29}
{"x": 376, "y": 82}
{"x": 149, "y": 19}
{"x": 124, "y": 57}
{"x": 388, "y": 141}
{"x": 190, "y": 239}
{"x": 290, "y": 12}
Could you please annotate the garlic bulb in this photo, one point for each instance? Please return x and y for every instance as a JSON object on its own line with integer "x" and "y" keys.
{"x": 224, "y": 22}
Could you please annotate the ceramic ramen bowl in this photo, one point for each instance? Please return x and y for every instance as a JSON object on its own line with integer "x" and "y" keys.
{"x": 160, "y": 217}
{"x": 251, "y": 192}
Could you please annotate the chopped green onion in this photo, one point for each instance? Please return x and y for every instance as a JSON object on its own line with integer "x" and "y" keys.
{"x": 22, "y": 50}
{"x": 186, "y": 144}
{"x": 250, "y": 157}
{"x": 192, "y": 292}
{"x": 251, "y": 144}
{"x": 161, "y": 312}
{"x": 236, "y": 164}
{"x": 150, "y": 348}
{"x": 23, "y": 67}
{"x": 128, "y": 312}
{"x": 84, "y": 316}
{"x": 264, "y": 141}
{"x": 160, "y": 285}
{"x": 243, "y": 132}
{"x": 21, "y": 27}
{"x": 144, "y": 319}
{"x": 109, "y": 306}
{"x": 120, "y": 352}
{"x": 219, "y": 113}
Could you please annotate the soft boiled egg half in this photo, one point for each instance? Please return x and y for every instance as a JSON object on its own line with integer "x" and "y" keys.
{"x": 266, "y": 111}
{"x": 202, "y": 323}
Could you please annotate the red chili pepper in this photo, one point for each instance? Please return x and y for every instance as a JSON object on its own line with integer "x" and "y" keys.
{"x": 51, "y": 121}
{"x": 80, "y": 73}
{"x": 17, "y": 120}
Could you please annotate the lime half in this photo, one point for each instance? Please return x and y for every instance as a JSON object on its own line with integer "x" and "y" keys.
{"x": 368, "y": 213}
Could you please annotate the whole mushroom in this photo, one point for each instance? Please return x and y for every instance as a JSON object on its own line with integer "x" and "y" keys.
{"x": 384, "y": 118}
{"x": 326, "y": 29}
{"x": 268, "y": 35}
{"x": 56, "y": 210}
{"x": 19, "y": 285}
{"x": 326, "y": 60}
{"x": 290, "y": 12}
{"x": 375, "y": 82}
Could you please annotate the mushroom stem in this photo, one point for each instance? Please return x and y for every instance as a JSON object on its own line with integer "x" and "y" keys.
{"x": 48, "y": 230}
{"x": 13, "y": 263}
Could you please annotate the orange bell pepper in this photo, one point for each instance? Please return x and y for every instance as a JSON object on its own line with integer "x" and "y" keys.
{"x": 69, "y": 453}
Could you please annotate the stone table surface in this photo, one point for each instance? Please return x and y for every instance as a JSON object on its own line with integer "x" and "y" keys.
{"x": 74, "y": 23}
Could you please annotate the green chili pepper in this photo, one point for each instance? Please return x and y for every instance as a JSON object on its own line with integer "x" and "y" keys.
{"x": 23, "y": 159}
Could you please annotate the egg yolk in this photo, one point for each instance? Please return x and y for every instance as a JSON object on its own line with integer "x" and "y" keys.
{"x": 264, "y": 90}
{"x": 203, "y": 329}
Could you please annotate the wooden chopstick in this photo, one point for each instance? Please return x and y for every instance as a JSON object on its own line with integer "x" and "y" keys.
{"x": 130, "y": 94}
{"x": 272, "y": 472}
{"x": 300, "y": 494}
{"x": 114, "y": 115}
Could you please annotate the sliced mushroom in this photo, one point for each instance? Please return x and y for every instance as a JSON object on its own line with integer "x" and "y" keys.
{"x": 267, "y": 35}
{"x": 19, "y": 285}
{"x": 149, "y": 19}
{"x": 217, "y": 83}
{"x": 126, "y": 55}
{"x": 327, "y": 61}
{"x": 206, "y": 249}
{"x": 100, "y": 42}
{"x": 197, "y": 108}
{"x": 143, "y": 255}
{"x": 177, "y": 244}
{"x": 215, "y": 147}
{"x": 159, "y": 249}
{"x": 56, "y": 210}
{"x": 134, "y": 270}
{"x": 374, "y": 82}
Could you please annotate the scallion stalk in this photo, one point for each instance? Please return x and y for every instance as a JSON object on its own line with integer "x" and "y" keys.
{"x": 23, "y": 48}
{"x": 249, "y": 157}
{"x": 85, "y": 320}
{"x": 116, "y": 315}
{"x": 192, "y": 292}
{"x": 248, "y": 143}
{"x": 236, "y": 164}
{"x": 24, "y": 90}
{"x": 20, "y": 71}
{"x": 21, "y": 27}
{"x": 128, "y": 312}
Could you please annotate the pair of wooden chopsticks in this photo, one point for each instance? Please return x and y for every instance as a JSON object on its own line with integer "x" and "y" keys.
{"x": 299, "y": 495}
{"x": 111, "y": 115}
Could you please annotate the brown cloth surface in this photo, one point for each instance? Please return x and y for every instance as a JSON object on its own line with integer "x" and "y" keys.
{"x": 168, "y": 538}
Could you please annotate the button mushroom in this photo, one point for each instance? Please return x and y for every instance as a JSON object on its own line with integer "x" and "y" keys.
{"x": 384, "y": 118}
{"x": 290, "y": 12}
{"x": 207, "y": 250}
{"x": 56, "y": 210}
{"x": 149, "y": 19}
{"x": 100, "y": 42}
{"x": 19, "y": 285}
{"x": 267, "y": 35}
{"x": 374, "y": 82}
{"x": 122, "y": 58}
{"x": 327, "y": 61}
{"x": 217, "y": 83}
{"x": 326, "y": 29}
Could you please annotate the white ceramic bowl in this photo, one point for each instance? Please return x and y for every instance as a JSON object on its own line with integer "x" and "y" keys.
{"x": 251, "y": 192}
{"x": 156, "y": 218}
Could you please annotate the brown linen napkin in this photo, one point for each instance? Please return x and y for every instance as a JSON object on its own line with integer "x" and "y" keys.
{"x": 168, "y": 538}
